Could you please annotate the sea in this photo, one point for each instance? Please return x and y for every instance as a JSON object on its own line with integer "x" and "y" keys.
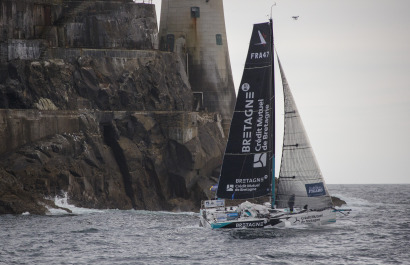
{"x": 377, "y": 231}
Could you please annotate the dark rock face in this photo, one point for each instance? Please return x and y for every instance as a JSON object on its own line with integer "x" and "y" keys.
{"x": 338, "y": 202}
{"x": 125, "y": 163}
{"x": 88, "y": 107}
{"x": 121, "y": 159}
{"x": 152, "y": 82}
{"x": 112, "y": 25}
{"x": 15, "y": 199}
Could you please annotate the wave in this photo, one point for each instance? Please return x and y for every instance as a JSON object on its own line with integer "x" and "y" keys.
{"x": 62, "y": 206}
{"x": 62, "y": 203}
{"x": 177, "y": 213}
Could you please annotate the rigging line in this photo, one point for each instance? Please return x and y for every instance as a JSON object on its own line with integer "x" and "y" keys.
{"x": 339, "y": 211}
{"x": 240, "y": 174}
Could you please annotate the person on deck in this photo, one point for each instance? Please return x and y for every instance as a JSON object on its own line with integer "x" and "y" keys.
{"x": 291, "y": 203}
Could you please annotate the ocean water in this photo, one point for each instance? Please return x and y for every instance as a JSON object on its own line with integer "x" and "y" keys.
{"x": 376, "y": 232}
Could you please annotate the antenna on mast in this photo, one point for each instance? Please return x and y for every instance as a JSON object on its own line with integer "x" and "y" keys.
{"x": 271, "y": 11}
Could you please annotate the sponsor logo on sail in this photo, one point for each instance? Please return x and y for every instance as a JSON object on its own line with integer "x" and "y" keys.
{"x": 230, "y": 187}
{"x": 247, "y": 123}
{"x": 262, "y": 54}
{"x": 247, "y": 184}
{"x": 259, "y": 160}
{"x": 262, "y": 39}
{"x": 251, "y": 180}
{"x": 245, "y": 87}
{"x": 315, "y": 189}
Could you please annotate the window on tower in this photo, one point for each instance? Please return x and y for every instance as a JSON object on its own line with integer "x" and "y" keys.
{"x": 218, "y": 39}
{"x": 195, "y": 12}
{"x": 170, "y": 42}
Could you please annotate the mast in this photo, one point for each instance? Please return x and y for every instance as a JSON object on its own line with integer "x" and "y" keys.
{"x": 273, "y": 115}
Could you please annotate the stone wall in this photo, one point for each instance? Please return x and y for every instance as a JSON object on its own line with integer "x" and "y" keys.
{"x": 181, "y": 127}
{"x": 28, "y": 28}
{"x": 68, "y": 53}
{"x": 19, "y": 127}
{"x": 23, "y": 49}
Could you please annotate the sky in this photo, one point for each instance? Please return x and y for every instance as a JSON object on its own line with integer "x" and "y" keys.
{"x": 348, "y": 66}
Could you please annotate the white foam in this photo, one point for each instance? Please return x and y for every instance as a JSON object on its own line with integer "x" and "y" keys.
{"x": 62, "y": 201}
{"x": 166, "y": 212}
{"x": 358, "y": 202}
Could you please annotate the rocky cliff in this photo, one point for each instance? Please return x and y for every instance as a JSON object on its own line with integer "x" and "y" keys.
{"x": 89, "y": 107}
{"x": 118, "y": 160}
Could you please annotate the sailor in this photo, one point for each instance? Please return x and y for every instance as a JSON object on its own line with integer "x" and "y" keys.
{"x": 291, "y": 202}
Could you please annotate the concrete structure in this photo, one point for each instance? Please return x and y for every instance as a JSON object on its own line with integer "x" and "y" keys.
{"x": 195, "y": 29}
{"x": 29, "y": 27}
{"x": 118, "y": 30}
{"x": 20, "y": 127}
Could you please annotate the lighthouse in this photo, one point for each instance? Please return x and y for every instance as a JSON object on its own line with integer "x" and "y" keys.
{"x": 195, "y": 30}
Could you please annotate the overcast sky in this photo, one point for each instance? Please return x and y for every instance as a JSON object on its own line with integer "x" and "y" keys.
{"x": 348, "y": 66}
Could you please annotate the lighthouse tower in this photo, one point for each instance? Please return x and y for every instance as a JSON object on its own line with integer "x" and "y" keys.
{"x": 195, "y": 29}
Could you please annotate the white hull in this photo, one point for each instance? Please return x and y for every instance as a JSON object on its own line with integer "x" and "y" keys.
{"x": 261, "y": 216}
{"x": 315, "y": 218}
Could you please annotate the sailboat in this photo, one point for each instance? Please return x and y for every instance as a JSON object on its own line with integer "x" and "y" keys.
{"x": 249, "y": 161}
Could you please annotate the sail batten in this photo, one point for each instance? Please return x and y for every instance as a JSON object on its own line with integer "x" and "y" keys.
{"x": 257, "y": 67}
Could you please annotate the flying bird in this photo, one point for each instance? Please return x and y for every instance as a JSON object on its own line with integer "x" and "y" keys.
{"x": 295, "y": 17}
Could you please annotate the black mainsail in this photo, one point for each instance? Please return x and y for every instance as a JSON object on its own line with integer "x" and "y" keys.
{"x": 248, "y": 161}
